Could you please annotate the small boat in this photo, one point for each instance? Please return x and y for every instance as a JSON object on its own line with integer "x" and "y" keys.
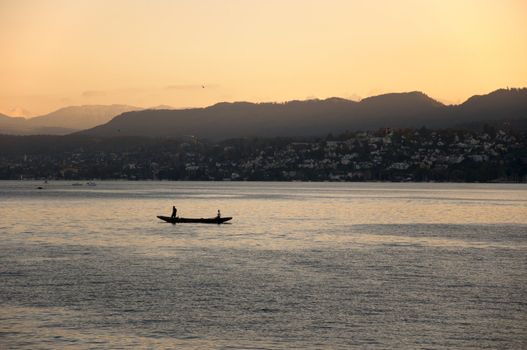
{"x": 216, "y": 220}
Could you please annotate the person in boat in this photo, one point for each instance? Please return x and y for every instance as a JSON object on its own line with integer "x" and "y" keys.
{"x": 219, "y": 214}
{"x": 174, "y": 212}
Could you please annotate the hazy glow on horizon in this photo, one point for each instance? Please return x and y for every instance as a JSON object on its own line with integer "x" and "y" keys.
{"x": 145, "y": 53}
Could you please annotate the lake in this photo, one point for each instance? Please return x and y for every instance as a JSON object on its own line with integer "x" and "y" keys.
{"x": 301, "y": 266}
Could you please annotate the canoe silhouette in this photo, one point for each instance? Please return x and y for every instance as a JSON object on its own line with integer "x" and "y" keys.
{"x": 176, "y": 220}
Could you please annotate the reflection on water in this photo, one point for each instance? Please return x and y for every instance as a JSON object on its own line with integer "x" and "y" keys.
{"x": 307, "y": 265}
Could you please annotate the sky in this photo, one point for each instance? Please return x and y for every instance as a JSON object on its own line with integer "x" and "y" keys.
{"x": 55, "y": 53}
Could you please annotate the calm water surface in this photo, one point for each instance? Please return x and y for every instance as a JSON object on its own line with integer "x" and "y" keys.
{"x": 303, "y": 265}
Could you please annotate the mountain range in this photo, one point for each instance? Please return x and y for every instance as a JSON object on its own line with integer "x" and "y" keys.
{"x": 318, "y": 117}
{"x": 294, "y": 118}
{"x": 63, "y": 121}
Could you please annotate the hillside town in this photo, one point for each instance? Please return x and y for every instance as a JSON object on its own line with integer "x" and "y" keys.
{"x": 490, "y": 155}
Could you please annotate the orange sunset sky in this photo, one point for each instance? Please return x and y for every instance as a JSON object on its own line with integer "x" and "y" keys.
{"x": 145, "y": 53}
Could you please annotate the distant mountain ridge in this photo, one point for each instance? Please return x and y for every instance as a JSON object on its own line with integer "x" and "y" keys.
{"x": 81, "y": 117}
{"x": 64, "y": 120}
{"x": 294, "y": 118}
{"x": 12, "y": 125}
{"x": 315, "y": 117}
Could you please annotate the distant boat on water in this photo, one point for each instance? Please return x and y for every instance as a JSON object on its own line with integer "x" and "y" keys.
{"x": 215, "y": 220}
